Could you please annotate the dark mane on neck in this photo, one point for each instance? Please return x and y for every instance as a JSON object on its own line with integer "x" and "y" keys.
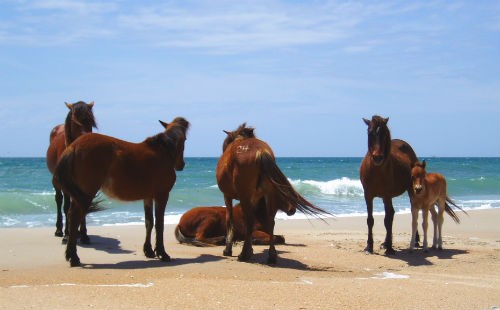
{"x": 80, "y": 114}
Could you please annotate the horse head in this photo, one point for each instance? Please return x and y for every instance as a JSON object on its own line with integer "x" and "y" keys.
{"x": 242, "y": 132}
{"x": 80, "y": 120}
{"x": 417, "y": 177}
{"x": 379, "y": 139}
{"x": 176, "y": 134}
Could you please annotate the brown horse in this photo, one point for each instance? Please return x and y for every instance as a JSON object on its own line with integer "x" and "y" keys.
{"x": 247, "y": 171}
{"x": 205, "y": 226}
{"x": 429, "y": 189}
{"x": 385, "y": 172}
{"x": 79, "y": 120}
{"x": 125, "y": 171}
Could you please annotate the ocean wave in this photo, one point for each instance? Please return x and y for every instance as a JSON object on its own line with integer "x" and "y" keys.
{"x": 337, "y": 187}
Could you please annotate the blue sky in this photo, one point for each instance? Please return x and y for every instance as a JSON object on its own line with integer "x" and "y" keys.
{"x": 303, "y": 73}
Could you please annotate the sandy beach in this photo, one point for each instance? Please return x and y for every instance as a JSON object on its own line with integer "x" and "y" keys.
{"x": 321, "y": 267}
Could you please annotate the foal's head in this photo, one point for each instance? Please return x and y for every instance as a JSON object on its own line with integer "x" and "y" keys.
{"x": 242, "y": 132}
{"x": 379, "y": 139}
{"x": 176, "y": 134}
{"x": 80, "y": 120}
{"x": 417, "y": 177}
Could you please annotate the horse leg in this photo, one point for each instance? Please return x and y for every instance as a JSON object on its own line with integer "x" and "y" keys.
{"x": 84, "y": 238}
{"x": 228, "y": 251}
{"x": 425, "y": 225}
{"x": 417, "y": 236}
{"x": 160, "y": 205}
{"x": 388, "y": 219}
{"x": 442, "y": 205}
{"x": 273, "y": 254}
{"x": 369, "y": 221}
{"x": 59, "y": 222}
{"x": 67, "y": 202}
{"x": 434, "y": 224}
{"x": 414, "y": 224}
{"x": 247, "y": 251}
{"x": 74, "y": 217}
{"x": 148, "y": 216}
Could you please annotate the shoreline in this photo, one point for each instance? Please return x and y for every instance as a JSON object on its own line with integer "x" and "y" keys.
{"x": 321, "y": 266}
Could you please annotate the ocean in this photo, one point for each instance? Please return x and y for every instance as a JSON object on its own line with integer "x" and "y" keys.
{"x": 27, "y": 196}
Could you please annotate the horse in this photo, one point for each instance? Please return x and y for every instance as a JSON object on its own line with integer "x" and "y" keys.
{"x": 80, "y": 120}
{"x": 247, "y": 171}
{"x": 124, "y": 171}
{"x": 206, "y": 226}
{"x": 385, "y": 172}
{"x": 429, "y": 189}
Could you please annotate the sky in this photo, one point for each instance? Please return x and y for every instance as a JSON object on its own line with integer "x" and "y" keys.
{"x": 303, "y": 73}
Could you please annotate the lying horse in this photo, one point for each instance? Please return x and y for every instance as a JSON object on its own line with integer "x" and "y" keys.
{"x": 385, "y": 172}
{"x": 125, "y": 171}
{"x": 247, "y": 171}
{"x": 205, "y": 226}
{"x": 429, "y": 189}
{"x": 80, "y": 120}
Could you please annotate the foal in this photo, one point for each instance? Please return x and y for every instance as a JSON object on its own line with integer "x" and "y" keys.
{"x": 429, "y": 189}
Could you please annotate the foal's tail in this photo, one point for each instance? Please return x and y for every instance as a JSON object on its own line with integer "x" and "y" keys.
{"x": 450, "y": 211}
{"x": 64, "y": 175}
{"x": 181, "y": 238}
{"x": 270, "y": 169}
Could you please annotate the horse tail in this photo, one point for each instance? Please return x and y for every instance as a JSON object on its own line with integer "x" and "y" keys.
{"x": 270, "y": 169}
{"x": 450, "y": 211}
{"x": 181, "y": 238}
{"x": 63, "y": 174}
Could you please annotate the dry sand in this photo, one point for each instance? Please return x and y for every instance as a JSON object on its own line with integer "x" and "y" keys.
{"x": 320, "y": 267}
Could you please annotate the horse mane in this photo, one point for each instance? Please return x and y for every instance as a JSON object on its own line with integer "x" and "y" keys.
{"x": 242, "y": 132}
{"x": 168, "y": 139}
{"x": 82, "y": 115}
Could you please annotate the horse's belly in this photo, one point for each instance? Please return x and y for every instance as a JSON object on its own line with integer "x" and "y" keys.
{"x": 126, "y": 191}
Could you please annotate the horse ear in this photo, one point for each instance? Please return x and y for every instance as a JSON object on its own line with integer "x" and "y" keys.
{"x": 91, "y": 104}
{"x": 227, "y": 132}
{"x": 386, "y": 120}
{"x": 423, "y": 164}
{"x": 367, "y": 122}
{"x": 163, "y": 124}
{"x": 69, "y": 105}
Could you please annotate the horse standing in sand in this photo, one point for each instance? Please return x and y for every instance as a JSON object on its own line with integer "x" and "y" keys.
{"x": 247, "y": 171}
{"x": 206, "y": 226}
{"x": 429, "y": 189}
{"x": 385, "y": 172}
{"x": 125, "y": 171}
{"x": 80, "y": 120}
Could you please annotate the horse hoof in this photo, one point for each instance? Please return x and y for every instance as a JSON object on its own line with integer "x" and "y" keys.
{"x": 58, "y": 233}
{"x": 64, "y": 240}
{"x": 227, "y": 252}
{"x": 368, "y": 250}
{"x": 243, "y": 258}
{"x": 271, "y": 260}
{"x": 390, "y": 251}
{"x": 85, "y": 239}
{"x": 149, "y": 253}
{"x": 165, "y": 257}
{"x": 74, "y": 262}
{"x": 440, "y": 248}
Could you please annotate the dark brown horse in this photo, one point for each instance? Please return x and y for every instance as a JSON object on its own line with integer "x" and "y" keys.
{"x": 385, "y": 172}
{"x": 247, "y": 171}
{"x": 125, "y": 171}
{"x": 205, "y": 226}
{"x": 80, "y": 120}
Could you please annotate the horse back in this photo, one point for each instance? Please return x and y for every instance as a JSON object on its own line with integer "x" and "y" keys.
{"x": 56, "y": 147}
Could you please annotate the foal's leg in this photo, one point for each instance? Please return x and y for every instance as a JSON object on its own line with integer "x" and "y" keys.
{"x": 435, "y": 225}
{"x": 148, "y": 216}
{"x": 369, "y": 221}
{"x": 388, "y": 219}
{"x": 160, "y": 205}
{"x": 442, "y": 205}
{"x": 247, "y": 251}
{"x": 228, "y": 251}
{"x": 414, "y": 225}
{"x": 425, "y": 225}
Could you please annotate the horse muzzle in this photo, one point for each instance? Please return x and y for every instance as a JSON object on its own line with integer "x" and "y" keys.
{"x": 417, "y": 189}
{"x": 291, "y": 211}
